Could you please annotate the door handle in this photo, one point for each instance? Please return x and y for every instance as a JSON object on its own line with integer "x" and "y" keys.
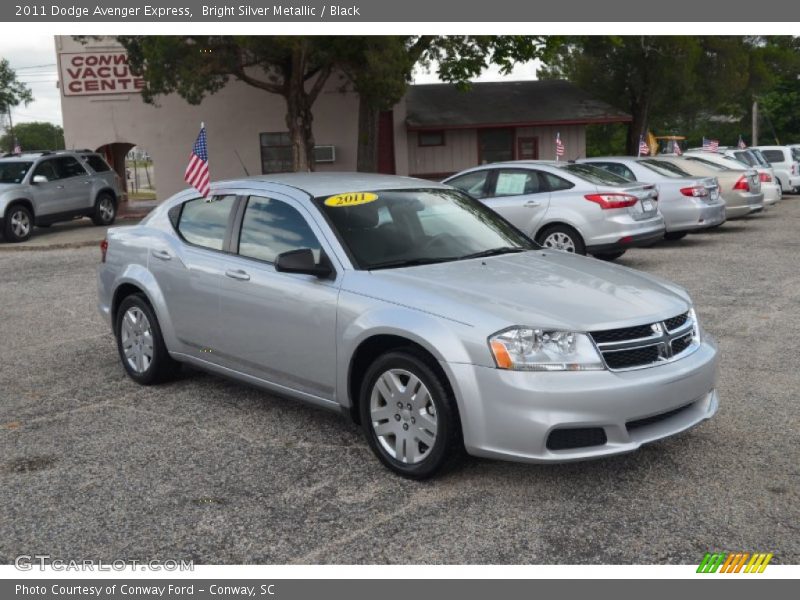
{"x": 237, "y": 274}
{"x": 86, "y": 182}
{"x": 161, "y": 254}
{"x": 59, "y": 187}
{"x": 532, "y": 204}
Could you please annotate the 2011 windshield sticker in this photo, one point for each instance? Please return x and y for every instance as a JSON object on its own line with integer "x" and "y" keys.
{"x": 351, "y": 199}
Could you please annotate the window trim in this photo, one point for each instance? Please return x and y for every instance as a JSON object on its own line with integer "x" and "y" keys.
{"x": 441, "y": 133}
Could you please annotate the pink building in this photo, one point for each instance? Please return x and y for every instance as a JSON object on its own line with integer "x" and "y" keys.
{"x": 434, "y": 131}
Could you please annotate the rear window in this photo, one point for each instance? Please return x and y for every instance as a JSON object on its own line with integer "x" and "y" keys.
{"x": 773, "y": 156}
{"x": 747, "y": 158}
{"x": 666, "y": 165}
{"x": 660, "y": 170}
{"x": 98, "y": 164}
{"x": 14, "y": 171}
{"x": 796, "y": 153}
{"x": 595, "y": 175}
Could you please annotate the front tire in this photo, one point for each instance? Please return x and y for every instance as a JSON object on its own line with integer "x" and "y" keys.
{"x": 409, "y": 415}
{"x": 140, "y": 343}
{"x": 105, "y": 210}
{"x": 562, "y": 237}
{"x": 18, "y": 224}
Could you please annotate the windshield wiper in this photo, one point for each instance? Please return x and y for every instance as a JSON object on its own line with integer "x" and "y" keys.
{"x": 493, "y": 252}
{"x": 410, "y": 262}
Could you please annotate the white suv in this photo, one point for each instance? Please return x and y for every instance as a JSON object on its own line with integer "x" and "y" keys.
{"x": 784, "y": 161}
{"x": 43, "y": 188}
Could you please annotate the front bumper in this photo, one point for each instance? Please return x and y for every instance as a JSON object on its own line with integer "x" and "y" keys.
{"x": 510, "y": 414}
{"x": 691, "y": 214}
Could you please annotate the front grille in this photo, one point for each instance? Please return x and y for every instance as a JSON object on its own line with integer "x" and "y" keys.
{"x": 681, "y": 344}
{"x": 645, "y": 345}
{"x": 638, "y": 423}
{"x": 621, "y": 335}
{"x": 578, "y": 437}
{"x": 676, "y": 322}
{"x": 625, "y": 359}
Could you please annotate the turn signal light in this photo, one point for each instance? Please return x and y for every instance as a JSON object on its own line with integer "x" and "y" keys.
{"x": 608, "y": 201}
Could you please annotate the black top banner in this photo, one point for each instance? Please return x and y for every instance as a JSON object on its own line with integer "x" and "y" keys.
{"x": 465, "y": 11}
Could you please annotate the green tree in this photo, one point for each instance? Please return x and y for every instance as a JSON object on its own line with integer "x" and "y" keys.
{"x": 12, "y": 93}
{"x": 36, "y": 135}
{"x": 380, "y": 69}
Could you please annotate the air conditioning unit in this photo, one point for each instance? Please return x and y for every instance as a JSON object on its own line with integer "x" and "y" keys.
{"x": 324, "y": 154}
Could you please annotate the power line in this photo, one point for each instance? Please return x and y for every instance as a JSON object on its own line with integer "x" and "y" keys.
{"x": 34, "y": 67}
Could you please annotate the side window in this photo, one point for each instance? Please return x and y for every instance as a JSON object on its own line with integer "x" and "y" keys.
{"x": 271, "y": 227}
{"x": 98, "y": 164}
{"x": 556, "y": 183}
{"x": 517, "y": 182}
{"x": 48, "y": 169}
{"x": 773, "y": 156}
{"x": 69, "y": 167}
{"x": 204, "y": 223}
{"x": 616, "y": 169}
{"x": 473, "y": 183}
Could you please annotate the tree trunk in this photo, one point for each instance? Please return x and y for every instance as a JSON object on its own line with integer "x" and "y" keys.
{"x": 368, "y": 116}
{"x": 299, "y": 120}
{"x": 638, "y": 126}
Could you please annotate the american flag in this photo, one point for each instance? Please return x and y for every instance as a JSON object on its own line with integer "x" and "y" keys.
{"x": 710, "y": 145}
{"x": 644, "y": 149}
{"x": 676, "y": 147}
{"x": 559, "y": 146}
{"x": 741, "y": 143}
{"x": 17, "y": 147}
{"x": 197, "y": 172}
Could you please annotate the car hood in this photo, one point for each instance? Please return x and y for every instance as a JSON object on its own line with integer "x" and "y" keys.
{"x": 538, "y": 288}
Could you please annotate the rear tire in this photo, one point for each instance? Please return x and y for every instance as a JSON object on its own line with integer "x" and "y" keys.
{"x": 674, "y": 235}
{"x": 609, "y": 255}
{"x": 409, "y": 415}
{"x": 18, "y": 224}
{"x": 140, "y": 343}
{"x": 105, "y": 210}
{"x": 563, "y": 238}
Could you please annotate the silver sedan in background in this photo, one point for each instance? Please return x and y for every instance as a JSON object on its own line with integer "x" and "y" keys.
{"x": 748, "y": 189}
{"x": 687, "y": 203}
{"x": 565, "y": 206}
{"x": 414, "y": 310}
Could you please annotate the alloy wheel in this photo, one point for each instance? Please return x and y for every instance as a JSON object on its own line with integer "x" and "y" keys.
{"x": 137, "y": 340}
{"x": 403, "y": 416}
{"x": 559, "y": 241}
{"x": 20, "y": 223}
{"x": 106, "y": 208}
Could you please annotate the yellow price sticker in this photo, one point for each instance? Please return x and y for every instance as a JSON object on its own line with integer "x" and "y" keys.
{"x": 351, "y": 199}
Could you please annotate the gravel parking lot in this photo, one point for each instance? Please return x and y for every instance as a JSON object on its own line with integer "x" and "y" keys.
{"x": 93, "y": 466}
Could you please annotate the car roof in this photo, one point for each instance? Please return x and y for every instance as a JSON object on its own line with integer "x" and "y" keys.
{"x": 328, "y": 183}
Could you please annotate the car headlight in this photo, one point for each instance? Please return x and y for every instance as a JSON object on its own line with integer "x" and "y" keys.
{"x": 695, "y": 325}
{"x": 529, "y": 349}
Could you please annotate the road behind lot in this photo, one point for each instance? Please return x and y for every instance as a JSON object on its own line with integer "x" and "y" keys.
{"x": 93, "y": 466}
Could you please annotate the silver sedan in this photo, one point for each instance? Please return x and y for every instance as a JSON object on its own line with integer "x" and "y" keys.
{"x": 414, "y": 310}
{"x": 575, "y": 208}
{"x": 687, "y": 203}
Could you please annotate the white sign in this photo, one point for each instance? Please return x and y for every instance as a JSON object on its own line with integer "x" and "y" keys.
{"x": 97, "y": 73}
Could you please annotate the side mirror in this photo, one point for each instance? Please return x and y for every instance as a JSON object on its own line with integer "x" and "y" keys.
{"x": 40, "y": 179}
{"x": 302, "y": 261}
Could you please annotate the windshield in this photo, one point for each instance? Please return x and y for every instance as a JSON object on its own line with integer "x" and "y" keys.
{"x": 595, "y": 175}
{"x": 13, "y": 171}
{"x": 666, "y": 165}
{"x": 398, "y": 228}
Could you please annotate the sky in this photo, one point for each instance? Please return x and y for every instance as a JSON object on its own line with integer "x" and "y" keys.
{"x": 34, "y": 59}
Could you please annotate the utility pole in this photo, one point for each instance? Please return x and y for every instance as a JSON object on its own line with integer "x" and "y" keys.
{"x": 754, "y": 141}
{"x": 11, "y": 142}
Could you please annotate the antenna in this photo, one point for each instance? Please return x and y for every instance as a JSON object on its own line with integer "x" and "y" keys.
{"x": 241, "y": 162}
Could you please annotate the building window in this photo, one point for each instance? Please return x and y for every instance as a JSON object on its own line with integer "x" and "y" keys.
{"x": 276, "y": 152}
{"x": 430, "y": 138}
{"x": 495, "y": 145}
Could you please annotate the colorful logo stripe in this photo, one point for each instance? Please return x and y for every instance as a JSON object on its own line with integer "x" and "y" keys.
{"x": 734, "y": 562}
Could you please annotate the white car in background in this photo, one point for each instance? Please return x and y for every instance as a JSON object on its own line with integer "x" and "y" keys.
{"x": 566, "y": 206}
{"x": 785, "y": 162}
{"x": 743, "y": 160}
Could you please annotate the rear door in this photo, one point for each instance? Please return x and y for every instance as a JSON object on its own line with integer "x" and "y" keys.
{"x": 519, "y": 195}
{"x": 190, "y": 267}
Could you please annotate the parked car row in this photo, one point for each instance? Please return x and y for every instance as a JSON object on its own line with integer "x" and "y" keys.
{"x": 42, "y": 188}
{"x": 604, "y": 205}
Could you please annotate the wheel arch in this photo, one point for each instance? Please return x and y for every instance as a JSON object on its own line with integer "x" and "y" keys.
{"x": 558, "y": 221}
{"x": 137, "y": 279}
{"x": 26, "y": 202}
{"x": 106, "y": 190}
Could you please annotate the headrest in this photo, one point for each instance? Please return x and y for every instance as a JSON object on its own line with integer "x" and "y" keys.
{"x": 364, "y": 216}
